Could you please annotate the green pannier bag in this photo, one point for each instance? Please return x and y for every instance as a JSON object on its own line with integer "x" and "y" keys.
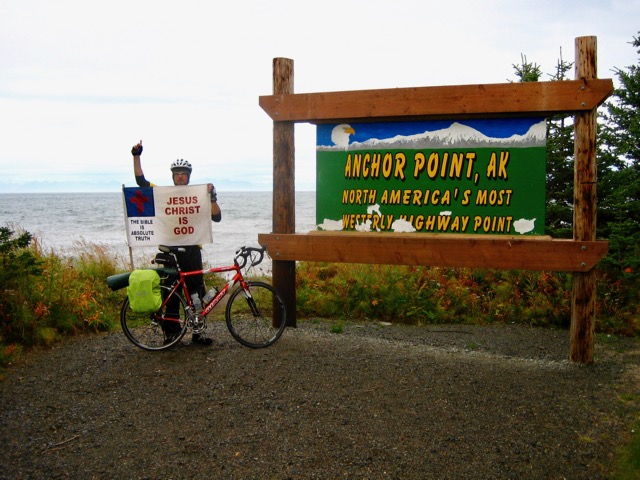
{"x": 144, "y": 291}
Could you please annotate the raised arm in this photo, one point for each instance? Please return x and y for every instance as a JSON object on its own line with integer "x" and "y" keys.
{"x": 136, "y": 151}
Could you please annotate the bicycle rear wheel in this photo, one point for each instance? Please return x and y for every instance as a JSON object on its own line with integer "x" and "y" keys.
{"x": 158, "y": 330}
{"x": 256, "y": 317}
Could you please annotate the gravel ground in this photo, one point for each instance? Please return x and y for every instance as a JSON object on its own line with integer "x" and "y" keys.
{"x": 375, "y": 401}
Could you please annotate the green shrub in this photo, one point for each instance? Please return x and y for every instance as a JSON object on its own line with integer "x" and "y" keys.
{"x": 45, "y": 297}
{"x": 423, "y": 295}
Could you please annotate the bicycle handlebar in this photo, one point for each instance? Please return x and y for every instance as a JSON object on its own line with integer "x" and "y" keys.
{"x": 241, "y": 258}
{"x": 244, "y": 253}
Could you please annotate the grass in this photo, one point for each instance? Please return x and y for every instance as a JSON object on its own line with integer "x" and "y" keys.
{"x": 627, "y": 465}
{"x": 473, "y": 346}
{"x": 337, "y": 327}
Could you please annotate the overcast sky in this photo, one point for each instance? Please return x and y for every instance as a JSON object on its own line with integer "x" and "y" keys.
{"x": 81, "y": 81}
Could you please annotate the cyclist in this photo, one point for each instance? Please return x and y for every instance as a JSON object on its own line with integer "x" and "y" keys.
{"x": 191, "y": 259}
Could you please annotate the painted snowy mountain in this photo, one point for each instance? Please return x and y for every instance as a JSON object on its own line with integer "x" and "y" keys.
{"x": 457, "y": 135}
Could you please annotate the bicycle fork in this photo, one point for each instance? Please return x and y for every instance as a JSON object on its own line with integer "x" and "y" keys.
{"x": 252, "y": 303}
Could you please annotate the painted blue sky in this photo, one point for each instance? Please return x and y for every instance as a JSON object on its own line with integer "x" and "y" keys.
{"x": 497, "y": 128}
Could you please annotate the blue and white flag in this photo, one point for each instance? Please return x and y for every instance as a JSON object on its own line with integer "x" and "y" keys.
{"x": 179, "y": 215}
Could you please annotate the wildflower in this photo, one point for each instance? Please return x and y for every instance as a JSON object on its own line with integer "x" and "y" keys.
{"x": 41, "y": 310}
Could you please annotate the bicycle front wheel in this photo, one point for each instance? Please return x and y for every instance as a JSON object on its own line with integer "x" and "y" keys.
{"x": 256, "y": 317}
{"x": 158, "y": 330}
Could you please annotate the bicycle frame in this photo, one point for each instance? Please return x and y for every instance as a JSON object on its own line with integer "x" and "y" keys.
{"x": 181, "y": 283}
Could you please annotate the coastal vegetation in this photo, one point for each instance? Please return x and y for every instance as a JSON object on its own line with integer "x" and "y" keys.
{"x": 423, "y": 295}
{"x": 46, "y": 296}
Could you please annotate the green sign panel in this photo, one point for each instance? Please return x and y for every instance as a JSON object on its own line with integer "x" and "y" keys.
{"x": 472, "y": 176}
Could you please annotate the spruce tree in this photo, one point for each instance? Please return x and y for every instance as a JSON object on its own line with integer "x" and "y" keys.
{"x": 560, "y": 163}
{"x": 619, "y": 175}
{"x": 559, "y": 158}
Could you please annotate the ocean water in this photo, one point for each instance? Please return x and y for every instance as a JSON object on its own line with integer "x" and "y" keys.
{"x": 63, "y": 222}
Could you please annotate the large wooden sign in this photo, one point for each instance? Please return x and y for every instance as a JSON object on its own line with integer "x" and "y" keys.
{"x": 579, "y": 97}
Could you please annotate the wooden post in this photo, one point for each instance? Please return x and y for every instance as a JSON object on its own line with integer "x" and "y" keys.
{"x": 284, "y": 211}
{"x": 583, "y": 297}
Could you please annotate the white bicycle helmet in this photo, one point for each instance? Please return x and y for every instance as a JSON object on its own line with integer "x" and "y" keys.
{"x": 181, "y": 164}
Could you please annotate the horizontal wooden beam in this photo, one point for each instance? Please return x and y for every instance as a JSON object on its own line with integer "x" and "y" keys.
{"x": 531, "y": 98}
{"x": 521, "y": 253}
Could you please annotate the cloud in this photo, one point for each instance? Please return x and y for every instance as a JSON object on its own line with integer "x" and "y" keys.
{"x": 82, "y": 81}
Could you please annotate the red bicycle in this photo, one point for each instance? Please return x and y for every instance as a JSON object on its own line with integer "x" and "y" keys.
{"x": 255, "y": 314}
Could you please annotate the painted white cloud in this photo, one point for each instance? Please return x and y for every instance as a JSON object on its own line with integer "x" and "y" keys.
{"x": 402, "y": 226}
{"x": 331, "y": 225}
{"x": 523, "y": 225}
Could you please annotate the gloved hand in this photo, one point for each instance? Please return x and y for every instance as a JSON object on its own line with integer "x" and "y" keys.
{"x": 136, "y": 151}
{"x": 212, "y": 192}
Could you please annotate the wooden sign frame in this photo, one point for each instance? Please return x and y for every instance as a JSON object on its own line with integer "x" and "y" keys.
{"x": 579, "y": 97}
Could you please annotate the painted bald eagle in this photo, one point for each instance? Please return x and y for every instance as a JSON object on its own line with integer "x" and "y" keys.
{"x": 340, "y": 135}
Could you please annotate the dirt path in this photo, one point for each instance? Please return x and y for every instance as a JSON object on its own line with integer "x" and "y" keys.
{"x": 444, "y": 402}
